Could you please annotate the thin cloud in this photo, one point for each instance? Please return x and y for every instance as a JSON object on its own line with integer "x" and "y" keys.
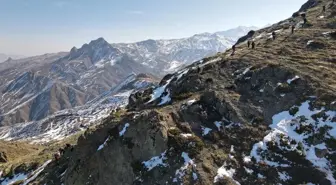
{"x": 135, "y": 12}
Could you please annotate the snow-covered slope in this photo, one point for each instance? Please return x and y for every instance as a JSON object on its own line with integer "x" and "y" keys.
{"x": 69, "y": 121}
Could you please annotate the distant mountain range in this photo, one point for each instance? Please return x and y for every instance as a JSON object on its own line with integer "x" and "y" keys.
{"x": 4, "y": 57}
{"x": 35, "y": 87}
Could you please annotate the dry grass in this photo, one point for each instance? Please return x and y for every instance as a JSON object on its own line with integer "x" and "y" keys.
{"x": 32, "y": 155}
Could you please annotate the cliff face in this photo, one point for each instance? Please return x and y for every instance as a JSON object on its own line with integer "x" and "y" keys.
{"x": 261, "y": 116}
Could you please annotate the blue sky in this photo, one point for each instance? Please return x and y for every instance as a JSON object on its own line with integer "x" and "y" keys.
{"x": 31, "y": 27}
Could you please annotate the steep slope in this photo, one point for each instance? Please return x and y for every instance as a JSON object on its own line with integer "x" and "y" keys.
{"x": 261, "y": 116}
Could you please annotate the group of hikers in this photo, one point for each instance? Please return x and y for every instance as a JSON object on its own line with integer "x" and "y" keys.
{"x": 252, "y": 43}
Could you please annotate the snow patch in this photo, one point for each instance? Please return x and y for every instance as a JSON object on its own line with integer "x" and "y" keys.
{"x": 284, "y": 176}
{"x": 309, "y": 42}
{"x": 223, "y": 172}
{"x": 249, "y": 171}
{"x": 165, "y": 99}
{"x": 159, "y": 91}
{"x": 218, "y": 124}
{"x": 285, "y": 125}
{"x": 179, "y": 174}
{"x": 205, "y": 131}
{"x": 104, "y": 144}
{"x": 155, "y": 161}
{"x": 190, "y": 102}
{"x": 289, "y": 81}
{"x": 122, "y": 132}
{"x": 232, "y": 149}
{"x": 247, "y": 159}
{"x": 36, "y": 173}
{"x": 261, "y": 176}
{"x": 17, "y": 177}
{"x": 195, "y": 177}
{"x": 186, "y": 135}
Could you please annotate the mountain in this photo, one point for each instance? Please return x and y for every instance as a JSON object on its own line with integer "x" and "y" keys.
{"x": 36, "y": 87}
{"x": 4, "y": 57}
{"x": 169, "y": 55}
{"x": 257, "y": 116}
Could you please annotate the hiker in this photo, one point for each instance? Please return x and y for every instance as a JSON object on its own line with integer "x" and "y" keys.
{"x": 273, "y": 35}
{"x": 57, "y": 156}
{"x": 253, "y": 45}
{"x": 293, "y": 27}
{"x": 61, "y": 151}
{"x": 248, "y": 43}
{"x": 305, "y": 21}
{"x": 324, "y": 8}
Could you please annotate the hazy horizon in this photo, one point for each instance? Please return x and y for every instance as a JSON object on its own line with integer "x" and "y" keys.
{"x": 38, "y": 27}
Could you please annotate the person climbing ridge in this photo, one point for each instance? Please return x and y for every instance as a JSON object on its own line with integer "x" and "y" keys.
{"x": 273, "y": 35}
{"x": 293, "y": 27}
{"x": 305, "y": 21}
{"x": 253, "y": 45}
{"x": 248, "y": 43}
{"x": 324, "y": 8}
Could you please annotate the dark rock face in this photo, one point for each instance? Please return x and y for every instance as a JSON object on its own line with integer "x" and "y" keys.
{"x": 313, "y": 45}
{"x": 139, "y": 99}
{"x": 306, "y": 6}
{"x": 246, "y": 37}
{"x": 144, "y": 138}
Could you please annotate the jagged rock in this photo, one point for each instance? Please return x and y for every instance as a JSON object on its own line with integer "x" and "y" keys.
{"x": 3, "y": 157}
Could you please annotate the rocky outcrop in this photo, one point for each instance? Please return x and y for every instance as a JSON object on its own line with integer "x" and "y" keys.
{"x": 3, "y": 157}
{"x": 248, "y": 36}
